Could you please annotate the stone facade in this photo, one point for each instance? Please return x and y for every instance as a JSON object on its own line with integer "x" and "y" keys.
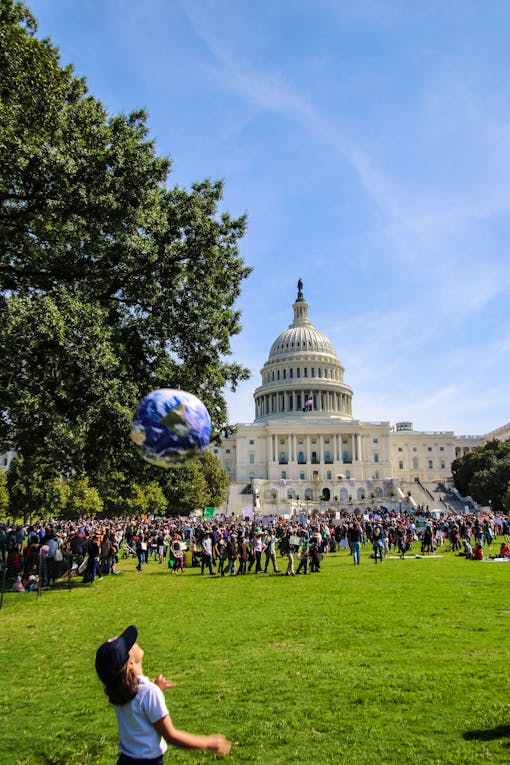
{"x": 305, "y": 450}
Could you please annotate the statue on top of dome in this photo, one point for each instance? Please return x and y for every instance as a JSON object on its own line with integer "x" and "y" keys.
{"x": 300, "y": 289}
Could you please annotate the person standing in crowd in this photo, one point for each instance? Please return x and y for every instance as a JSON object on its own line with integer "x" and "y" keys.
{"x": 354, "y": 536}
{"x": 141, "y": 549}
{"x": 232, "y": 553}
{"x": 377, "y": 542}
{"x": 51, "y": 564}
{"x": 243, "y": 554}
{"x": 93, "y": 561}
{"x": 270, "y": 550}
{"x": 177, "y": 554}
{"x": 315, "y": 554}
{"x": 427, "y": 545}
{"x": 303, "y": 556}
{"x": 287, "y": 549}
{"x": 220, "y": 549}
{"x": 207, "y": 552}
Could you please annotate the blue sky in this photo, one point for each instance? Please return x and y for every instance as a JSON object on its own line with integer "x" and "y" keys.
{"x": 369, "y": 143}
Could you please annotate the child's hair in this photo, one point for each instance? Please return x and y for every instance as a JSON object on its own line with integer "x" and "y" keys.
{"x": 122, "y": 687}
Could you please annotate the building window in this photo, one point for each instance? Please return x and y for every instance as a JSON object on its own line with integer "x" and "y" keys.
{"x": 348, "y": 475}
{"x": 273, "y": 375}
{"x": 314, "y": 440}
{"x": 313, "y": 371}
{"x": 441, "y": 448}
{"x": 415, "y": 463}
{"x": 227, "y": 451}
{"x": 327, "y": 458}
{"x": 282, "y": 441}
{"x": 315, "y": 461}
{"x": 252, "y": 459}
{"x": 415, "y": 449}
{"x": 429, "y": 449}
{"x": 443, "y": 465}
{"x": 375, "y": 440}
{"x": 300, "y": 441}
{"x": 305, "y": 372}
{"x": 284, "y": 374}
{"x": 320, "y": 372}
{"x": 283, "y": 458}
{"x": 291, "y": 373}
{"x": 301, "y": 476}
{"x": 215, "y": 451}
{"x": 376, "y": 457}
{"x": 326, "y": 441}
{"x": 284, "y": 475}
{"x": 431, "y": 464}
{"x": 251, "y": 442}
{"x": 298, "y": 372}
{"x": 400, "y": 448}
{"x": 344, "y": 440}
{"x": 400, "y": 465}
{"x": 301, "y": 458}
{"x": 227, "y": 467}
{"x": 328, "y": 475}
{"x": 376, "y": 475}
{"x": 278, "y": 374}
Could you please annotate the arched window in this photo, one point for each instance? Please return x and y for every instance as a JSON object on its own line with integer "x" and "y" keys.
{"x": 314, "y": 458}
{"x": 283, "y": 458}
{"x": 361, "y": 493}
{"x": 326, "y": 494}
{"x": 301, "y": 458}
{"x": 378, "y": 492}
{"x": 308, "y": 494}
{"x": 344, "y": 495}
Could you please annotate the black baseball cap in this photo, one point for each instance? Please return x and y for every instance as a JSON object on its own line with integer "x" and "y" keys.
{"x": 112, "y": 655}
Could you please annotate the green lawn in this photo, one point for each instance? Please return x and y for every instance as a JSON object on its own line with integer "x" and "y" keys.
{"x": 401, "y": 663}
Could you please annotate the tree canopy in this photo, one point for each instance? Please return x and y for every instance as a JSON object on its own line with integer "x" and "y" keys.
{"x": 484, "y": 474}
{"x": 112, "y": 282}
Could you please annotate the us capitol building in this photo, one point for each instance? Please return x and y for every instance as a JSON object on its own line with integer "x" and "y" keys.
{"x": 305, "y": 451}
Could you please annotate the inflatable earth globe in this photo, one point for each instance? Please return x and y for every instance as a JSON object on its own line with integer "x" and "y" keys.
{"x": 170, "y": 427}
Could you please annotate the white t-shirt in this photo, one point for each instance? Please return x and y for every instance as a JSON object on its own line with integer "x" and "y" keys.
{"x": 137, "y": 734}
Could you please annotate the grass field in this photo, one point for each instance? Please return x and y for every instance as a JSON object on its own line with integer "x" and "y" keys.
{"x": 401, "y": 663}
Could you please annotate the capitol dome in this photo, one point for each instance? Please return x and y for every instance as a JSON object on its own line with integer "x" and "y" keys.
{"x": 302, "y": 375}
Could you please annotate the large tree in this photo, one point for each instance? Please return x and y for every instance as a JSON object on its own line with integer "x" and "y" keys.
{"x": 484, "y": 474}
{"x": 112, "y": 283}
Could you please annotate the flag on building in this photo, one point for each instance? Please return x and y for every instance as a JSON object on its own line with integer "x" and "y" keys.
{"x": 309, "y": 404}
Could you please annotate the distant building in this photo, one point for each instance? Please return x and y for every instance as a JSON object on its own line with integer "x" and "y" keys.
{"x": 306, "y": 451}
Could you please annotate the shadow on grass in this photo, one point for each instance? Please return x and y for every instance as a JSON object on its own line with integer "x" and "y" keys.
{"x": 501, "y": 731}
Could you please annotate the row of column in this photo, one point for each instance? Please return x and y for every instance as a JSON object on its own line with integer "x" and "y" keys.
{"x": 294, "y": 401}
{"x": 292, "y": 447}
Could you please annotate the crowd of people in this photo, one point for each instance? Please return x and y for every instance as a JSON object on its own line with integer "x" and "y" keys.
{"x": 36, "y": 555}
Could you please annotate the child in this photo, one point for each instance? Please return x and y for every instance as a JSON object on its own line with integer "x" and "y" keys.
{"x": 143, "y": 721}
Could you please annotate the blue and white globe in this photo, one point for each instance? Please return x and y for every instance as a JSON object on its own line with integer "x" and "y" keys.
{"x": 171, "y": 427}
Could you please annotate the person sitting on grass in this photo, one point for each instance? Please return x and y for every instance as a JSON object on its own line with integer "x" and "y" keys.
{"x": 478, "y": 551}
{"x": 504, "y": 550}
{"x": 468, "y": 550}
{"x": 144, "y": 725}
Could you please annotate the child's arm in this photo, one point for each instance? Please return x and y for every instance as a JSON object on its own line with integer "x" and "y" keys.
{"x": 216, "y": 743}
